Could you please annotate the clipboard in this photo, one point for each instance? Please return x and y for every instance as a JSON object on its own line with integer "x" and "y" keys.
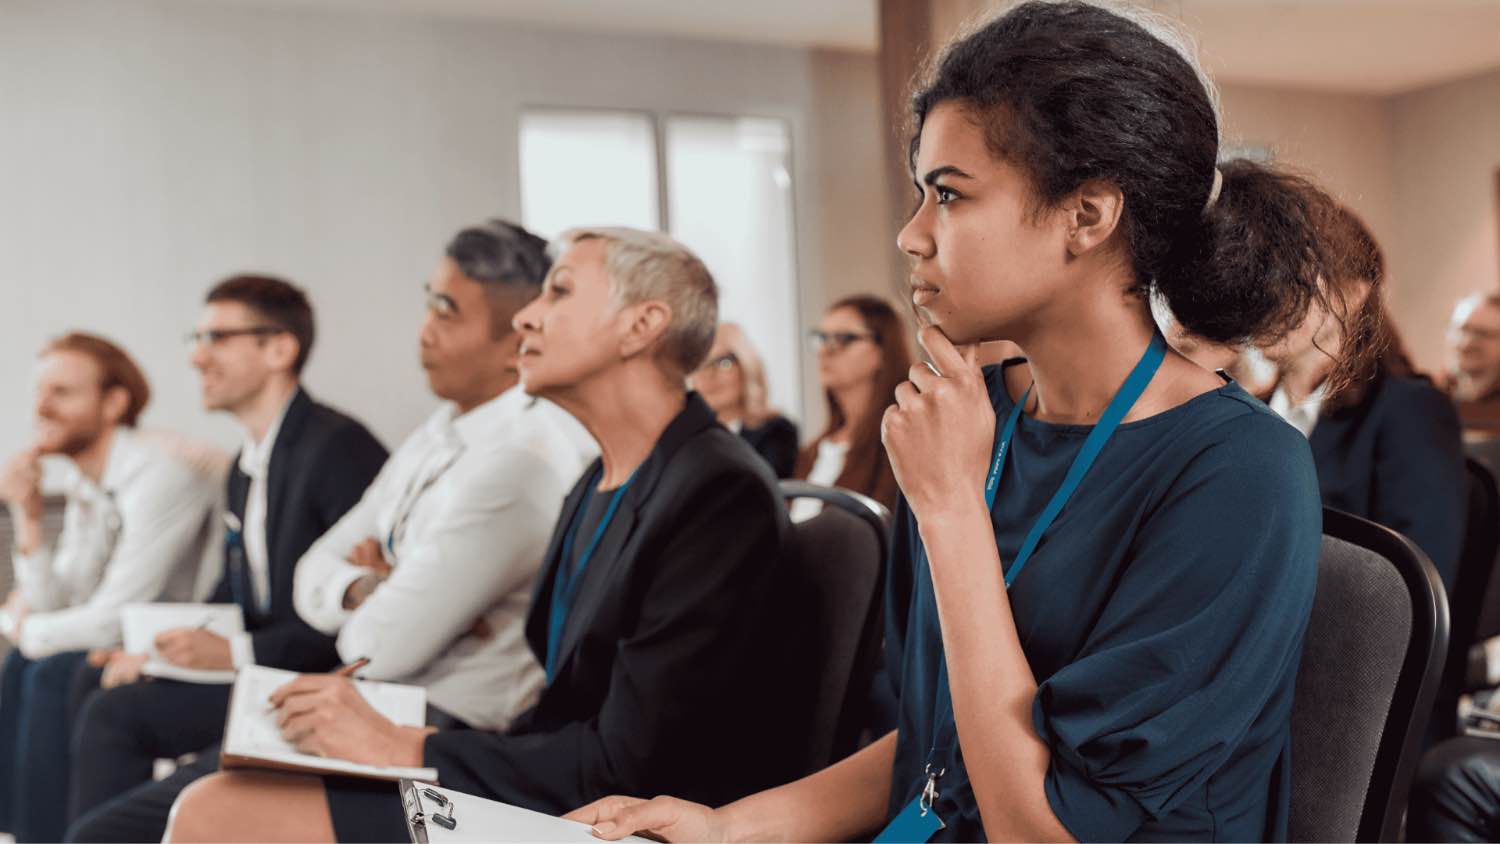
{"x": 437, "y": 815}
{"x": 253, "y": 740}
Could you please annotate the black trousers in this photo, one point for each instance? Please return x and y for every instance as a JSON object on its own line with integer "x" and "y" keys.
{"x": 1457, "y": 793}
{"x": 121, "y": 733}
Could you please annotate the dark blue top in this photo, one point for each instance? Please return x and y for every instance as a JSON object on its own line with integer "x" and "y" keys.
{"x": 1162, "y": 616}
{"x": 1396, "y": 458}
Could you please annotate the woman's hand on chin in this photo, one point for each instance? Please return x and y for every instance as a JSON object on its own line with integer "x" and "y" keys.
{"x": 940, "y": 432}
{"x": 663, "y": 818}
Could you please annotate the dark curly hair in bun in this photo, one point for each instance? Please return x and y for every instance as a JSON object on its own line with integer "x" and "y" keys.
{"x": 1071, "y": 92}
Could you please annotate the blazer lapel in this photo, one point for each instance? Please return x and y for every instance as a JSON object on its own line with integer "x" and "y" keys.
{"x": 608, "y": 564}
{"x": 541, "y": 592}
{"x": 603, "y": 568}
{"x": 283, "y": 464}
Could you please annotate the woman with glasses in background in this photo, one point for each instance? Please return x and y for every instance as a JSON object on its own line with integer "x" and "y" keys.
{"x": 733, "y": 382}
{"x": 863, "y": 354}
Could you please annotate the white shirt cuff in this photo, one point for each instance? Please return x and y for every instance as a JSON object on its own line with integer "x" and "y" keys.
{"x": 241, "y": 650}
{"x": 1492, "y": 660}
{"x": 328, "y": 598}
{"x": 44, "y": 634}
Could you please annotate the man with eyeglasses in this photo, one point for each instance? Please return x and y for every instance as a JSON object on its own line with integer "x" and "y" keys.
{"x": 429, "y": 577}
{"x": 303, "y": 465}
{"x": 137, "y": 523}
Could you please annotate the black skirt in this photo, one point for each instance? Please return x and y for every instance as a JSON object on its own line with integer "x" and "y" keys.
{"x": 365, "y": 811}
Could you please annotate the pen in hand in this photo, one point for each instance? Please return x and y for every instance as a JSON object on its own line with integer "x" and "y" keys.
{"x": 343, "y": 671}
{"x": 348, "y": 670}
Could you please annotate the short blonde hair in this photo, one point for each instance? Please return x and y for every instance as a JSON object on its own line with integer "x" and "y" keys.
{"x": 648, "y": 266}
{"x": 754, "y": 394}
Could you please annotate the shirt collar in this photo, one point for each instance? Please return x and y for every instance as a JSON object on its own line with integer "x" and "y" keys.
{"x": 1304, "y": 415}
{"x": 481, "y": 422}
{"x": 122, "y": 461}
{"x": 255, "y": 457}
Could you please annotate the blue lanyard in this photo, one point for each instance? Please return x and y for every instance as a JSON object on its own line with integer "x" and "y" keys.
{"x": 568, "y": 579}
{"x": 917, "y": 822}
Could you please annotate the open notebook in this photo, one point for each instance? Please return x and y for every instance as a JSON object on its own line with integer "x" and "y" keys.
{"x": 140, "y": 624}
{"x": 252, "y": 739}
{"x": 442, "y": 816}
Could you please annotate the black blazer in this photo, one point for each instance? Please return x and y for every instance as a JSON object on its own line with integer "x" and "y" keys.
{"x": 666, "y": 678}
{"x": 320, "y": 466}
{"x": 775, "y": 441}
{"x": 1396, "y": 458}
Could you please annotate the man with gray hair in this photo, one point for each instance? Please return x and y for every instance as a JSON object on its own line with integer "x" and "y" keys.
{"x": 428, "y": 578}
{"x": 661, "y": 614}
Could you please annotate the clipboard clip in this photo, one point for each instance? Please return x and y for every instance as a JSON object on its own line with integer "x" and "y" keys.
{"x": 416, "y": 797}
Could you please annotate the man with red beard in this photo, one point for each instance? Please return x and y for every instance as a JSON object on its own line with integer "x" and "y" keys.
{"x": 136, "y": 527}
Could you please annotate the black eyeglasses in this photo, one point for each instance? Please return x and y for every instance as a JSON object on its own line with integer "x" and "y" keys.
{"x": 214, "y": 336}
{"x": 722, "y": 363}
{"x": 837, "y": 341}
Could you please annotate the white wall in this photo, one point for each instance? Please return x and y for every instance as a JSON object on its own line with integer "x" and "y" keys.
{"x": 1343, "y": 141}
{"x": 150, "y": 147}
{"x": 1446, "y": 163}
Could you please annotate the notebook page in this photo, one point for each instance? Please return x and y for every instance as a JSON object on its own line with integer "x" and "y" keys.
{"x": 252, "y": 731}
{"x": 142, "y": 623}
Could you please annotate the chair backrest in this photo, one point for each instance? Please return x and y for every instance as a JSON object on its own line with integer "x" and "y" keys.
{"x": 840, "y": 565}
{"x": 1471, "y": 585}
{"x": 1370, "y": 669}
{"x": 52, "y": 518}
{"x": 1487, "y": 453}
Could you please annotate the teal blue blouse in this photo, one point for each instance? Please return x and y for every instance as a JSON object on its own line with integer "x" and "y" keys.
{"x": 1162, "y": 616}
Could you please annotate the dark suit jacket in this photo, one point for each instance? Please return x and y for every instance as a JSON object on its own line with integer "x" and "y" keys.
{"x": 775, "y": 440}
{"x": 320, "y": 466}
{"x": 1396, "y": 458}
{"x": 665, "y": 678}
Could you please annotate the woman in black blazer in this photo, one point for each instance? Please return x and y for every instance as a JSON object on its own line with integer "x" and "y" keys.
{"x": 1386, "y": 442}
{"x": 733, "y": 382}
{"x": 651, "y": 613}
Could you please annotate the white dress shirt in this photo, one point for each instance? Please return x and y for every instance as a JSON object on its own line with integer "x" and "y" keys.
{"x": 1304, "y": 415}
{"x": 825, "y": 471}
{"x": 145, "y": 532}
{"x": 463, "y": 510}
{"x": 255, "y": 462}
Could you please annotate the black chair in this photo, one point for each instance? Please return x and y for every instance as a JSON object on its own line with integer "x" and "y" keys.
{"x": 1370, "y": 671}
{"x": 1471, "y": 585}
{"x": 840, "y": 569}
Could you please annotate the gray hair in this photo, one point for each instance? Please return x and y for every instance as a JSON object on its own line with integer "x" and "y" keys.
{"x": 646, "y": 266}
{"x": 507, "y": 260}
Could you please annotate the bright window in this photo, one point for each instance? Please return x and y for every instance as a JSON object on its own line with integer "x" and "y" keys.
{"x": 587, "y": 168}
{"x": 728, "y": 198}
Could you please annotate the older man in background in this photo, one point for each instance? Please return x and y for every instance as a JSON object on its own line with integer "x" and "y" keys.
{"x": 1474, "y": 364}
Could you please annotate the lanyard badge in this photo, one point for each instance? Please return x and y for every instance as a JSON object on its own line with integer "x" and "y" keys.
{"x": 918, "y": 822}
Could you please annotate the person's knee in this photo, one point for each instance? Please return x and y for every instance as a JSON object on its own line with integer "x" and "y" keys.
{"x": 92, "y": 827}
{"x": 1456, "y": 766}
{"x": 193, "y": 813}
{"x": 116, "y": 710}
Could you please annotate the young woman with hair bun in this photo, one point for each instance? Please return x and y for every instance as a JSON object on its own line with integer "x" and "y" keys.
{"x": 1105, "y": 555}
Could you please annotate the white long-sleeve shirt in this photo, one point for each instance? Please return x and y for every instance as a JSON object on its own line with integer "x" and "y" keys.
{"x": 145, "y": 532}
{"x": 463, "y": 511}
